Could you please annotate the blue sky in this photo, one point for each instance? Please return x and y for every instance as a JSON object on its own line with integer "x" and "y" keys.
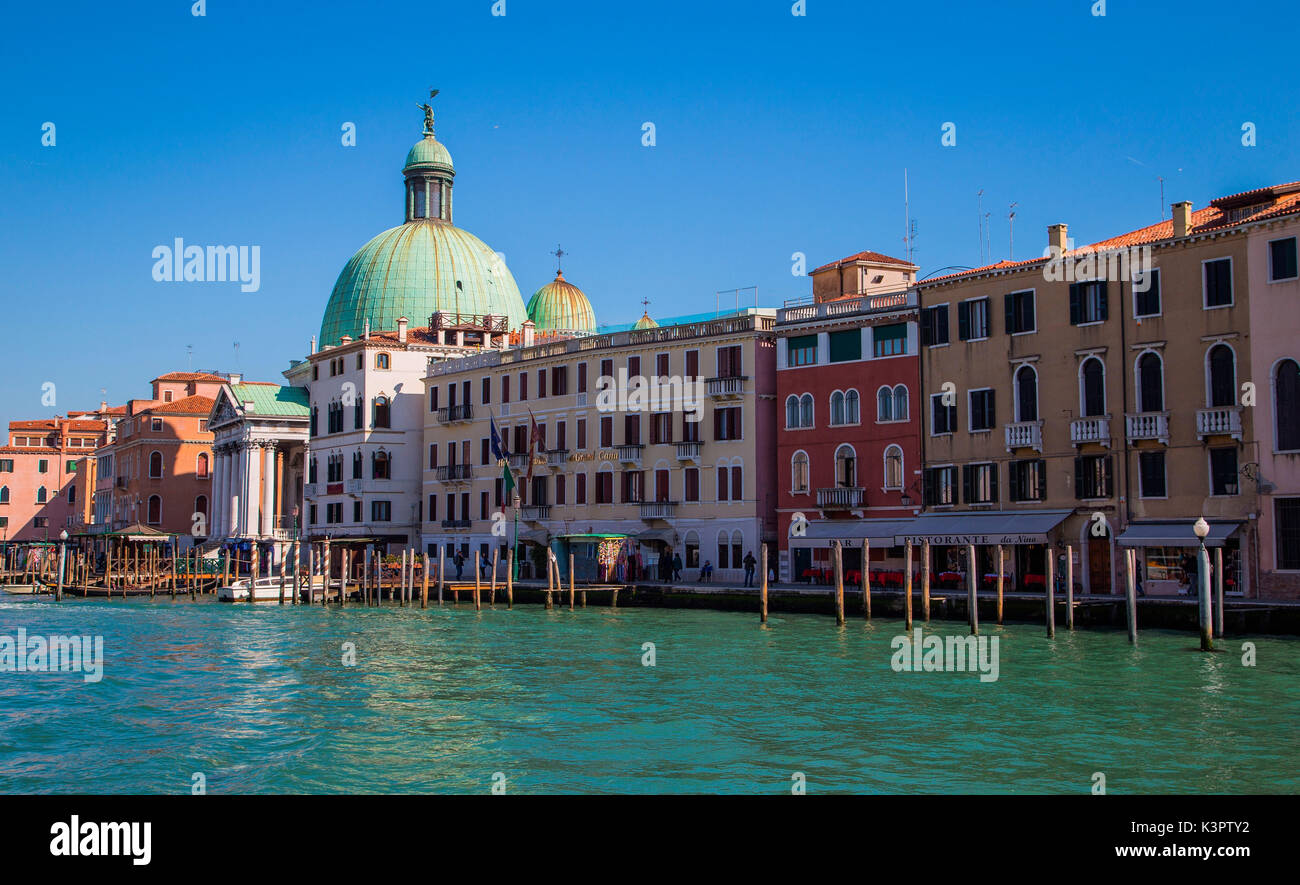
{"x": 775, "y": 134}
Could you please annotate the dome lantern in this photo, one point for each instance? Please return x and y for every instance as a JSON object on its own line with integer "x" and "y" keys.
{"x": 429, "y": 173}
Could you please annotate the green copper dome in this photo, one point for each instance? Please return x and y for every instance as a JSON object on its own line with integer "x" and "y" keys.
{"x": 428, "y": 151}
{"x": 562, "y": 307}
{"x": 645, "y": 322}
{"x": 412, "y": 271}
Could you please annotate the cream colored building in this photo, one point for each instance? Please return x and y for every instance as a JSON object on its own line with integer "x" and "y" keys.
{"x": 606, "y": 473}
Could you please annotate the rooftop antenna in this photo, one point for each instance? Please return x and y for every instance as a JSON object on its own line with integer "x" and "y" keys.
{"x": 189, "y": 357}
{"x": 559, "y": 253}
{"x": 907, "y": 220}
{"x": 988, "y": 236}
{"x": 1162, "y": 196}
{"x": 236, "y": 354}
{"x": 1011, "y": 232}
{"x": 980, "y": 219}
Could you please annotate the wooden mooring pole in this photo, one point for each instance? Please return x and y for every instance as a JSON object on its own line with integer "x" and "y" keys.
{"x": 1206, "y": 614}
{"x": 972, "y": 590}
{"x": 424, "y": 583}
{"x": 1218, "y": 592}
{"x": 492, "y": 593}
{"x": 571, "y": 582}
{"x": 1051, "y": 592}
{"x": 925, "y": 581}
{"x": 838, "y": 564}
{"x": 478, "y": 576}
{"x": 762, "y": 587}
{"x": 1002, "y": 571}
{"x": 510, "y": 578}
{"x": 1069, "y": 586}
{"x": 1130, "y": 593}
{"x": 866, "y": 579}
{"x": 907, "y": 587}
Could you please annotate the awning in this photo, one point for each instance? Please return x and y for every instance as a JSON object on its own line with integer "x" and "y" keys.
{"x": 1174, "y": 534}
{"x": 850, "y": 532}
{"x": 665, "y": 535}
{"x": 984, "y": 528}
{"x": 536, "y": 536}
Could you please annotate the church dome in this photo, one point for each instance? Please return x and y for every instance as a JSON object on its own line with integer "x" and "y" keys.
{"x": 424, "y": 265}
{"x": 645, "y": 322}
{"x": 562, "y": 307}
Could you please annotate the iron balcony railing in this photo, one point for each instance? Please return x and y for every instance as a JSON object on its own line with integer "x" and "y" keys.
{"x": 840, "y": 498}
{"x": 452, "y": 414}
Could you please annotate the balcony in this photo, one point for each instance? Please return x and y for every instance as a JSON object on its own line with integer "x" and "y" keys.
{"x": 1219, "y": 421}
{"x": 630, "y": 453}
{"x": 840, "y": 498}
{"x": 453, "y": 414}
{"x": 658, "y": 510}
{"x": 580, "y": 400}
{"x": 725, "y": 388}
{"x": 1024, "y": 435}
{"x": 455, "y": 523}
{"x": 1147, "y": 425}
{"x": 557, "y": 457}
{"x": 361, "y": 486}
{"x": 1090, "y": 430}
{"x": 535, "y": 512}
{"x": 689, "y": 451}
{"x": 454, "y": 473}
{"x": 519, "y": 460}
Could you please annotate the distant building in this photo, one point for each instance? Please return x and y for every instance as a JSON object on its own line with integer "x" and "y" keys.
{"x": 39, "y": 468}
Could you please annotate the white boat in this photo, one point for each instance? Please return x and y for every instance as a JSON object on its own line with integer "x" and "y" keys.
{"x": 27, "y": 590}
{"x": 267, "y": 589}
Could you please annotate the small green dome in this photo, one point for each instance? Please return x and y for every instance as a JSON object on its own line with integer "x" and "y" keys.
{"x": 412, "y": 271}
{"x": 562, "y": 307}
{"x": 645, "y": 322}
{"x": 428, "y": 152}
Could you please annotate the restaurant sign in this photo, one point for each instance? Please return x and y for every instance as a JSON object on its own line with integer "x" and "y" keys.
{"x": 977, "y": 540}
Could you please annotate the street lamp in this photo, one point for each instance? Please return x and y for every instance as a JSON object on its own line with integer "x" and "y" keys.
{"x": 1202, "y": 528}
{"x": 63, "y": 552}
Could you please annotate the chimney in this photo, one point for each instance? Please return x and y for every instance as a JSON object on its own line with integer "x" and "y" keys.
{"x": 103, "y": 405}
{"x": 401, "y": 329}
{"x": 1182, "y": 218}
{"x": 1056, "y": 238}
{"x": 367, "y": 332}
{"x": 313, "y": 345}
{"x": 529, "y": 335}
{"x": 346, "y": 339}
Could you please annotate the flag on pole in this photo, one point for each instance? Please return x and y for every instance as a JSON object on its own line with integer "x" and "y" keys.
{"x": 497, "y": 451}
{"x": 534, "y": 437}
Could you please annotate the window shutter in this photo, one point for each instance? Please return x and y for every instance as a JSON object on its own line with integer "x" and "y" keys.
{"x": 967, "y": 484}
{"x": 927, "y": 326}
{"x": 1076, "y": 310}
{"x": 1106, "y": 476}
{"x": 1013, "y": 479}
{"x": 927, "y": 487}
{"x": 722, "y": 483}
{"x": 993, "y": 483}
{"x": 1040, "y": 473}
{"x": 1101, "y": 300}
{"x": 1009, "y": 311}
{"x": 1078, "y": 478}
{"x": 963, "y": 320}
{"x": 990, "y": 409}
{"x": 717, "y": 423}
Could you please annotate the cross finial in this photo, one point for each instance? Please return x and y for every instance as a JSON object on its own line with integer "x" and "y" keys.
{"x": 559, "y": 253}
{"x": 645, "y": 303}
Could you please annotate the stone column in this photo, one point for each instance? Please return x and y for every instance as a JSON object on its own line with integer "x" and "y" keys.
{"x": 268, "y": 488}
{"x": 235, "y": 494}
{"x": 252, "y": 487}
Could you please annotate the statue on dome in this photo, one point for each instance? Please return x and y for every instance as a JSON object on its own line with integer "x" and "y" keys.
{"x": 428, "y": 112}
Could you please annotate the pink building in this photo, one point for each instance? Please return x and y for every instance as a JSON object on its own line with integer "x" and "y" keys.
{"x": 38, "y": 466}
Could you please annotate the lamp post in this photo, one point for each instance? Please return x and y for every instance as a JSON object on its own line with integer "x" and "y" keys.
{"x": 1202, "y": 528}
{"x": 63, "y": 551}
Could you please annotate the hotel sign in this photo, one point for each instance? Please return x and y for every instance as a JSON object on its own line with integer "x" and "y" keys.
{"x": 977, "y": 540}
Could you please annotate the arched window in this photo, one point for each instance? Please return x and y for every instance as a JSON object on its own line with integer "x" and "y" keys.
{"x": 837, "y": 407}
{"x": 884, "y": 404}
{"x": 41, "y": 495}
{"x": 381, "y": 361}
{"x": 1026, "y": 394}
{"x": 380, "y": 466}
{"x": 798, "y": 473}
{"x": 382, "y": 418}
{"x": 893, "y": 467}
{"x": 737, "y": 549}
{"x": 311, "y": 471}
{"x": 201, "y": 505}
{"x": 1151, "y": 383}
{"x": 900, "y": 403}
{"x": 1287, "y": 387}
{"x": 1092, "y": 388}
{"x": 724, "y": 548}
{"x": 1222, "y": 376}
{"x": 4, "y": 494}
{"x": 792, "y": 411}
{"x": 201, "y": 467}
{"x": 155, "y": 510}
{"x": 846, "y": 466}
{"x": 806, "y": 410}
{"x": 155, "y": 465}
{"x": 692, "y": 545}
{"x": 851, "y": 410}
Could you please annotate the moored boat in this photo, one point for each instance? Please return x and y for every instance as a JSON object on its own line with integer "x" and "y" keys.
{"x": 266, "y": 589}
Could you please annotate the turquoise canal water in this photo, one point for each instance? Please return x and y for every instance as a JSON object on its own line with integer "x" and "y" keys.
{"x": 258, "y": 700}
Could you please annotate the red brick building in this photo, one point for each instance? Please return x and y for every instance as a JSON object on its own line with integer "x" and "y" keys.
{"x": 848, "y": 397}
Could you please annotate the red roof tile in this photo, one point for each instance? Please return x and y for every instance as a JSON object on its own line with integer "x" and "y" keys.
{"x": 873, "y": 257}
{"x": 190, "y": 405}
{"x": 190, "y": 376}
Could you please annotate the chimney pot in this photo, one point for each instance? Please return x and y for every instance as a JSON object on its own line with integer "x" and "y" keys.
{"x": 1182, "y": 218}
{"x": 401, "y": 329}
{"x": 1056, "y": 237}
